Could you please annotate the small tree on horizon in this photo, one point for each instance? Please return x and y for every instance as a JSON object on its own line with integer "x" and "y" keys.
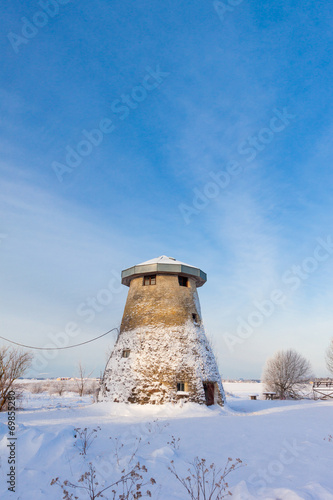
{"x": 287, "y": 373}
{"x": 81, "y": 380}
{"x": 13, "y": 364}
{"x": 329, "y": 357}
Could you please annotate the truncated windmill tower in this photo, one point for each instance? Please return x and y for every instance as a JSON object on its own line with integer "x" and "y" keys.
{"x": 162, "y": 353}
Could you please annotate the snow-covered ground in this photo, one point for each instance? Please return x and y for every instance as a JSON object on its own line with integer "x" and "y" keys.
{"x": 284, "y": 444}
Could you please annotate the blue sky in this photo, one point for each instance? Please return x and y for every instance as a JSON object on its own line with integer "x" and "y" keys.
{"x": 239, "y": 91}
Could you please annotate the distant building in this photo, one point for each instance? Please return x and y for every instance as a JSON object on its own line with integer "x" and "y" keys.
{"x": 162, "y": 353}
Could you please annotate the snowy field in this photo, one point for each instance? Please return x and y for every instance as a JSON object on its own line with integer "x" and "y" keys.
{"x": 284, "y": 445}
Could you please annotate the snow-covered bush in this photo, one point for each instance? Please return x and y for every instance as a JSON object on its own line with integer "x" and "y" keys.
{"x": 36, "y": 388}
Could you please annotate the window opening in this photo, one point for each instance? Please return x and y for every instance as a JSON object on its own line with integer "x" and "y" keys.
{"x": 183, "y": 281}
{"x": 149, "y": 280}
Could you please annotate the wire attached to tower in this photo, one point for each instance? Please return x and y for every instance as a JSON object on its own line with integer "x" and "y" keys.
{"x": 59, "y": 348}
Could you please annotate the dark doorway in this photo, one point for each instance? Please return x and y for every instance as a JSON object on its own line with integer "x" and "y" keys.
{"x": 209, "y": 393}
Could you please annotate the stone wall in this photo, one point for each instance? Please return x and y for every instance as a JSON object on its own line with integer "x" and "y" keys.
{"x": 166, "y": 345}
{"x": 166, "y": 303}
{"x": 159, "y": 358}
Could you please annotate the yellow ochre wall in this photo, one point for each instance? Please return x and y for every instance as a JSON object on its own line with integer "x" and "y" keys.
{"x": 166, "y": 303}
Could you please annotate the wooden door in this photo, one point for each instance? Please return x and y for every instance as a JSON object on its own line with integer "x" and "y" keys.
{"x": 209, "y": 393}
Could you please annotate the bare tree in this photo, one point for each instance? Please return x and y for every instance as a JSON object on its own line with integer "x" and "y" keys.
{"x": 286, "y": 373}
{"x": 13, "y": 364}
{"x": 329, "y": 357}
{"x": 109, "y": 349}
{"x": 108, "y": 353}
{"x": 81, "y": 380}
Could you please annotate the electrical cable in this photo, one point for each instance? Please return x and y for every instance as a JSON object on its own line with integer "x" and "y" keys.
{"x": 58, "y": 348}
